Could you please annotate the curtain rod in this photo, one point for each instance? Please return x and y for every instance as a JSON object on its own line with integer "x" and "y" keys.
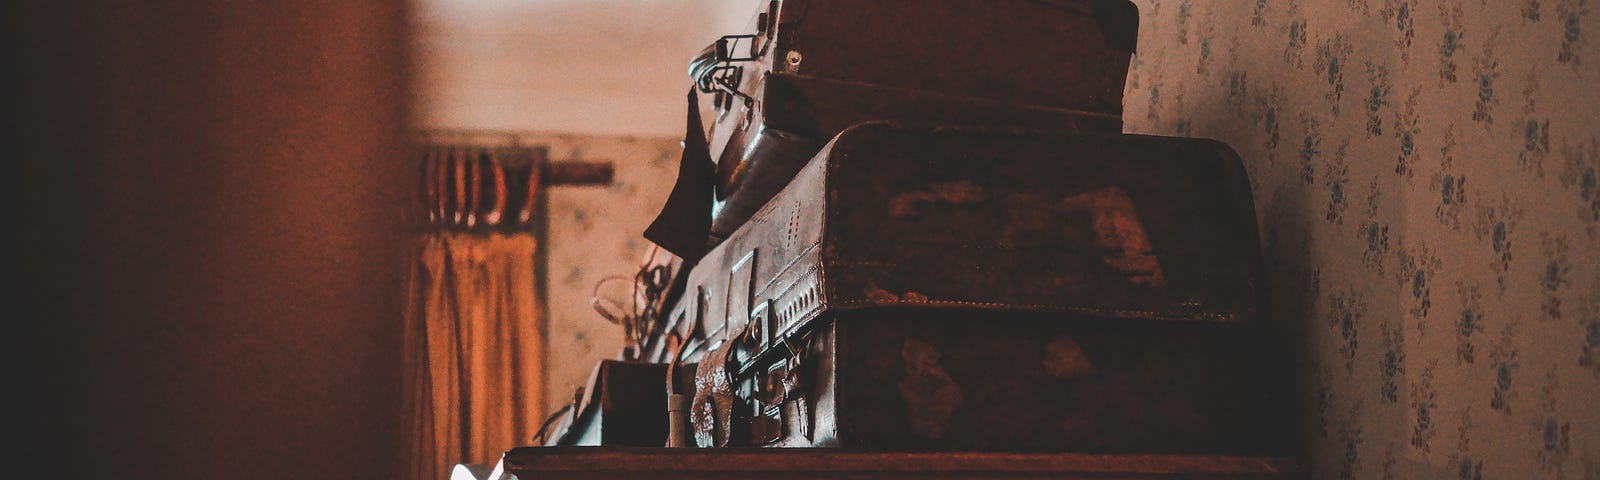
{"x": 475, "y": 187}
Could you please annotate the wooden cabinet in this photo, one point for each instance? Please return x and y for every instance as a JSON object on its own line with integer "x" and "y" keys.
{"x": 541, "y": 463}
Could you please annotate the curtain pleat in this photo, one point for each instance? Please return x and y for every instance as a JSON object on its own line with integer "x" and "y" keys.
{"x": 474, "y": 330}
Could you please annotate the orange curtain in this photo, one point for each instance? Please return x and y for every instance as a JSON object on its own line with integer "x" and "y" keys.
{"x": 475, "y": 349}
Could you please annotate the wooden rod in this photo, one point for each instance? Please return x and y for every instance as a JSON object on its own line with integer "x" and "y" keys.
{"x": 578, "y": 173}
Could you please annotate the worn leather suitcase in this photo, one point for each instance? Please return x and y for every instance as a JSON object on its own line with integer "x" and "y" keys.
{"x": 939, "y": 379}
{"x": 808, "y": 69}
{"x": 925, "y": 288}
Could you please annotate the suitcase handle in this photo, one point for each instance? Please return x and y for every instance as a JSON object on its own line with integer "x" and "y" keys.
{"x": 714, "y": 70}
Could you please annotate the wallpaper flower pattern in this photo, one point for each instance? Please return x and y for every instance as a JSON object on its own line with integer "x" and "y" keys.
{"x": 595, "y": 233}
{"x": 1425, "y": 173}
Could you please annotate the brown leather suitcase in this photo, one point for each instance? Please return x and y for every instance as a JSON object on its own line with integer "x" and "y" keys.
{"x": 808, "y": 69}
{"x": 924, "y": 288}
{"x": 909, "y": 379}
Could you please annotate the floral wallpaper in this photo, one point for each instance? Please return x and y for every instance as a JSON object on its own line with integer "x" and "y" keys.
{"x": 594, "y": 233}
{"x": 1425, "y": 177}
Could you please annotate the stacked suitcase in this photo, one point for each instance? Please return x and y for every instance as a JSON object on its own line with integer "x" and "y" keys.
{"x": 916, "y": 226}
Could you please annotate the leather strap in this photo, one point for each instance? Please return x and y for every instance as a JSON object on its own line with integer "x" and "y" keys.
{"x": 712, "y": 410}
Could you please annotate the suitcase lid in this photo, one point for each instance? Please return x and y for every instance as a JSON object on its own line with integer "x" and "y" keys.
{"x": 1111, "y": 225}
{"x": 1083, "y": 225}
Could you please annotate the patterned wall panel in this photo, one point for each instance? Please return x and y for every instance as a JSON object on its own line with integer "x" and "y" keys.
{"x": 596, "y": 232}
{"x": 1425, "y": 175}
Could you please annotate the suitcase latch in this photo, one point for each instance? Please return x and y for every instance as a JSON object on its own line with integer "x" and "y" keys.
{"x": 779, "y": 389}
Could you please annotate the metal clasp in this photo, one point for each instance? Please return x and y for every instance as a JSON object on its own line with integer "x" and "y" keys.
{"x": 717, "y": 75}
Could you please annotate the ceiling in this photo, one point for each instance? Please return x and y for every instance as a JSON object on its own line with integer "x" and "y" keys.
{"x": 611, "y": 67}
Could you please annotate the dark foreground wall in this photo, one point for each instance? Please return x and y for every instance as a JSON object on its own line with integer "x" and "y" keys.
{"x": 207, "y": 194}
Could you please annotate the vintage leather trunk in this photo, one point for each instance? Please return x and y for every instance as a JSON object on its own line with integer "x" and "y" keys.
{"x": 991, "y": 289}
{"x": 938, "y": 379}
{"x": 808, "y": 69}
{"x": 1113, "y": 225}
